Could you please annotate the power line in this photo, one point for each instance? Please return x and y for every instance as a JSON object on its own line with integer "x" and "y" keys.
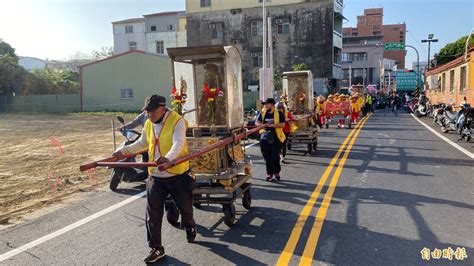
{"x": 418, "y": 42}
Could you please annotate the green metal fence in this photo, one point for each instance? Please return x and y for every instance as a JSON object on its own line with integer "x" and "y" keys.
{"x": 63, "y": 103}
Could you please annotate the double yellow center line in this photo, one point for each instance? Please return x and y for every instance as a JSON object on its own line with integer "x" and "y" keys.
{"x": 312, "y": 241}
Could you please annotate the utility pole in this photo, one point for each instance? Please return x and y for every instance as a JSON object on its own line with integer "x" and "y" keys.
{"x": 417, "y": 64}
{"x": 429, "y": 41}
{"x": 264, "y": 52}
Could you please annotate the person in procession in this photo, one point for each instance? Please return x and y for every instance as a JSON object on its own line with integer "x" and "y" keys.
{"x": 343, "y": 102}
{"x": 289, "y": 127}
{"x": 355, "y": 108}
{"x": 271, "y": 138}
{"x": 164, "y": 136}
{"x": 320, "y": 109}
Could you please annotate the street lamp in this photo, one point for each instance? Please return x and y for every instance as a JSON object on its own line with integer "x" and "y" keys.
{"x": 429, "y": 41}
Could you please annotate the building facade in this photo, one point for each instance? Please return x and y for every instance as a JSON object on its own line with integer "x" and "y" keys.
{"x": 371, "y": 24}
{"x": 122, "y": 82}
{"x": 129, "y": 35}
{"x": 363, "y": 58}
{"x": 451, "y": 82}
{"x": 303, "y": 31}
{"x": 153, "y": 33}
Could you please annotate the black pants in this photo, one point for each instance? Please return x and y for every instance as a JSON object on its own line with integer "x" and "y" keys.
{"x": 271, "y": 154}
{"x": 181, "y": 189}
{"x": 283, "y": 146}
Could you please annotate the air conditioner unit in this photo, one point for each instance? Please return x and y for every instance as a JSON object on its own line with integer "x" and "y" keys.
{"x": 278, "y": 21}
{"x": 212, "y": 26}
{"x": 253, "y": 54}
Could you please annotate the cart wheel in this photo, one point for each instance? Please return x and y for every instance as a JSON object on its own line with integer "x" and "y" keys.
{"x": 172, "y": 214}
{"x": 288, "y": 146}
{"x": 310, "y": 149}
{"x": 229, "y": 214}
{"x": 247, "y": 200}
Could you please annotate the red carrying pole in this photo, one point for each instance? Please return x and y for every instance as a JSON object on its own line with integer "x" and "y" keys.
{"x": 112, "y": 161}
{"x": 94, "y": 164}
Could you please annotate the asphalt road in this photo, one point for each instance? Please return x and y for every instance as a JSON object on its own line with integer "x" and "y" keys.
{"x": 377, "y": 195}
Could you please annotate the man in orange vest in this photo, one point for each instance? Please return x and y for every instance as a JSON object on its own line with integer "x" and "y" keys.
{"x": 164, "y": 136}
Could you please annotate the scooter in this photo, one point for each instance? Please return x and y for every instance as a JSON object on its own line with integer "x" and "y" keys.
{"x": 465, "y": 121}
{"x": 421, "y": 109}
{"x": 449, "y": 120}
{"x": 412, "y": 105}
{"x": 128, "y": 174}
{"x": 438, "y": 114}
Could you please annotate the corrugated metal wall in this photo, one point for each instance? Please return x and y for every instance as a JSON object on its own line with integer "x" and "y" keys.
{"x": 145, "y": 74}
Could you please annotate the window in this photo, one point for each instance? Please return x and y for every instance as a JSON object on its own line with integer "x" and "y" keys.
{"x": 354, "y": 34}
{"x": 345, "y": 57}
{"x": 153, "y": 28}
{"x": 129, "y": 29}
{"x": 160, "y": 47}
{"x": 463, "y": 79}
{"x": 257, "y": 58}
{"x": 132, "y": 46}
{"x": 256, "y": 28}
{"x": 358, "y": 57}
{"x": 261, "y": 1}
{"x": 217, "y": 30}
{"x": 236, "y": 11}
{"x": 126, "y": 94}
{"x": 283, "y": 26}
{"x": 451, "y": 80}
{"x": 205, "y": 3}
{"x": 170, "y": 27}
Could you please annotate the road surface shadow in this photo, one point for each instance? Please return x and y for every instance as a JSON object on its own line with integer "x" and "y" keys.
{"x": 367, "y": 247}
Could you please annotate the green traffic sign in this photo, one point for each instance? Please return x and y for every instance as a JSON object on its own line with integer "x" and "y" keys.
{"x": 394, "y": 46}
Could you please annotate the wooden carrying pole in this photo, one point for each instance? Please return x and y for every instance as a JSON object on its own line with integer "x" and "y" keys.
{"x": 112, "y": 161}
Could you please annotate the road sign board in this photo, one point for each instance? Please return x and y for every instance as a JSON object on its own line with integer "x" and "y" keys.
{"x": 406, "y": 81}
{"x": 394, "y": 46}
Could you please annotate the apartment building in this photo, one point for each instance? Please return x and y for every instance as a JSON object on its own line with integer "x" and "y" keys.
{"x": 153, "y": 33}
{"x": 303, "y": 31}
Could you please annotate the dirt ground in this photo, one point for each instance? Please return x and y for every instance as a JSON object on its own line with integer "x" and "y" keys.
{"x": 40, "y": 158}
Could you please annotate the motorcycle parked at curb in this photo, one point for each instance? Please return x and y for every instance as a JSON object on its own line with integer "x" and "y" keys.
{"x": 464, "y": 123}
{"x": 449, "y": 119}
{"x": 438, "y": 114}
{"x": 421, "y": 109}
{"x": 412, "y": 105}
{"x": 128, "y": 175}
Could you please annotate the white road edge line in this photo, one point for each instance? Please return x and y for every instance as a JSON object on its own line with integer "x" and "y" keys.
{"x": 70, "y": 227}
{"x": 469, "y": 154}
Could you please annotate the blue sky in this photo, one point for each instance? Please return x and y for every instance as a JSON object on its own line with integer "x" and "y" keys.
{"x": 57, "y": 29}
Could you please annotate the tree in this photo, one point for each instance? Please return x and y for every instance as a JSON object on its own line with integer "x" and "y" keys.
{"x": 50, "y": 81}
{"x": 6, "y": 49}
{"x": 11, "y": 74}
{"x": 299, "y": 67}
{"x": 104, "y": 52}
{"x": 452, "y": 51}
